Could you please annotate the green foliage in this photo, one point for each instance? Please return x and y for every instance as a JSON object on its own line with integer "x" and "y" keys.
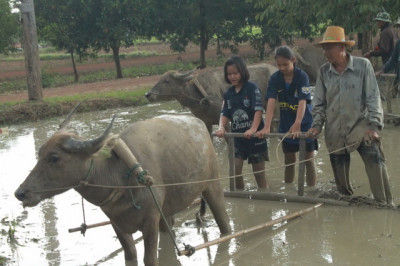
{"x": 199, "y": 21}
{"x": 9, "y": 29}
{"x": 10, "y": 230}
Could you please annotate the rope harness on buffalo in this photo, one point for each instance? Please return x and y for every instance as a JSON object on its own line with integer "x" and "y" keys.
{"x": 126, "y": 155}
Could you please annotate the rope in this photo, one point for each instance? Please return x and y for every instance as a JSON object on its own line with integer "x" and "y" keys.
{"x": 83, "y": 226}
{"x": 127, "y": 176}
{"x": 165, "y": 220}
{"x": 194, "y": 182}
{"x": 279, "y": 144}
{"x": 85, "y": 180}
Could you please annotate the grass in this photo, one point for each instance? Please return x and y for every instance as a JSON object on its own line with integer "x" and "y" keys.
{"x": 51, "y": 80}
{"x": 22, "y": 111}
{"x": 10, "y": 232}
{"x": 51, "y": 54}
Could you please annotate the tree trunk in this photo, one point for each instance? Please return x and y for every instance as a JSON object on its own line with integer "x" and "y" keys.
{"x": 115, "y": 50}
{"x": 76, "y": 75}
{"x": 203, "y": 34}
{"x": 366, "y": 42}
{"x": 32, "y": 63}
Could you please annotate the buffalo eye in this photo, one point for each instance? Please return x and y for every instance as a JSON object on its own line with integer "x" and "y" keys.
{"x": 53, "y": 158}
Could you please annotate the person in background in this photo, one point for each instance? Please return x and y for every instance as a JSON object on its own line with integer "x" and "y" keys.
{"x": 346, "y": 101}
{"x": 393, "y": 64}
{"x": 243, "y": 107}
{"x": 387, "y": 40}
{"x": 289, "y": 86}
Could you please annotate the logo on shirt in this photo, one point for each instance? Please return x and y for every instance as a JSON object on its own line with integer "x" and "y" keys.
{"x": 246, "y": 102}
{"x": 306, "y": 90}
{"x": 240, "y": 119}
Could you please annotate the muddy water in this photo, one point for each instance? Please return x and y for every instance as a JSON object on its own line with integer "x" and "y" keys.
{"x": 328, "y": 235}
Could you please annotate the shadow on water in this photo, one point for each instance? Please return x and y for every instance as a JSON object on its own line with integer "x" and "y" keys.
{"x": 329, "y": 235}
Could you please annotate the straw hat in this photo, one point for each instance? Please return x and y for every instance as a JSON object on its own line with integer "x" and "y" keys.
{"x": 335, "y": 34}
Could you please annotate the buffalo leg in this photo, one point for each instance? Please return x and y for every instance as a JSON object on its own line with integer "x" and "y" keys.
{"x": 170, "y": 223}
{"x": 150, "y": 232}
{"x": 128, "y": 246}
{"x": 214, "y": 197}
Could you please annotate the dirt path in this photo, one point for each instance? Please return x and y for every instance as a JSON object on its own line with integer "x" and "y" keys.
{"x": 120, "y": 84}
{"x": 16, "y": 70}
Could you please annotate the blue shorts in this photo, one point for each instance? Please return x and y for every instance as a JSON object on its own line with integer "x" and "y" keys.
{"x": 289, "y": 147}
{"x": 252, "y": 157}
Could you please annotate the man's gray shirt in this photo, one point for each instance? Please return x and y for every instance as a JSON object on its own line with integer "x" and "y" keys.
{"x": 348, "y": 104}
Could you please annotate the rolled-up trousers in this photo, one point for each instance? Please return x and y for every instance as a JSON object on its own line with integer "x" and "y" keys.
{"x": 375, "y": 166}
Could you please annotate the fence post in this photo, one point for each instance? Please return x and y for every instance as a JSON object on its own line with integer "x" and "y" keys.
{"x": 231, "y": 159}
{"x": 302, "y": 166}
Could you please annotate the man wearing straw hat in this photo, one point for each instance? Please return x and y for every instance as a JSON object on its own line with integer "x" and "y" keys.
{"x": 386, "y": 37}
{"x": 347, "y": 102}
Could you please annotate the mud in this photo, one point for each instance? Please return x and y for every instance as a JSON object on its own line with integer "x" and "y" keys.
{"x": 329, "y": 235}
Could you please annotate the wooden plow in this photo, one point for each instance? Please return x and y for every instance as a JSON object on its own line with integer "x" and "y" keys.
{"x": 84, "y": 227}
{"x": 190, "y": 250}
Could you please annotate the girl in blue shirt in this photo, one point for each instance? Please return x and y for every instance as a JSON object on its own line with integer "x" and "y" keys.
{"x": 243, "y": 107}
{"x": 290, "y": 87}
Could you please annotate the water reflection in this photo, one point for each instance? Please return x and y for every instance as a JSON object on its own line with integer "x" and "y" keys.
{"x": 329, "y": 235}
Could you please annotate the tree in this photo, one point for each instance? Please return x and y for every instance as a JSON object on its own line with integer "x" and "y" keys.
{"x": 63, "y": 24}
{"x": 307, "y": 18}
{"x": 199, "y": 21}
{"x": 284, "y": 20}
{"x": 10, "y": 28}
{"x": 32, "y": 63}
{"x": 117, "y": 23}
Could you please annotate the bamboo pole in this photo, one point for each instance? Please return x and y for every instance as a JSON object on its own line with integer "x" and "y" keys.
{"x": 251, "y": 229}
{"x": 302, "y": 167}
{"x": 269, "y": 135}
{"x": 282, "y": 197}
{"x": 80, "y": 228}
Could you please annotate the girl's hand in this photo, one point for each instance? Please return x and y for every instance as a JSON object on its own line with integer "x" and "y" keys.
{"x": 260, "y": 134}
{"x": 295, "y": 129}
{"x": 249, "y": 133}
{"x": 220, "y": 132}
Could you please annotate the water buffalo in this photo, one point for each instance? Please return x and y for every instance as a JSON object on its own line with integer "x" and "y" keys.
{"x": 310, "y": 59}
{"x": 203, "y": 94}
{"x": 174, "y": 149}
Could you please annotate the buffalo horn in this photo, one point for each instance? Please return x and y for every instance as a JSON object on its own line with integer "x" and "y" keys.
{"x": 88, "y": 146}
{"x": 66, "y": 121}
{"x": 183, "y": 75}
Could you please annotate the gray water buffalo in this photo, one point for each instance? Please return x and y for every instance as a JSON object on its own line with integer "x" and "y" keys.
{"x": 173, "y": 149}
{"x": 310, "y": 59}
{"x": 203, "y": 94}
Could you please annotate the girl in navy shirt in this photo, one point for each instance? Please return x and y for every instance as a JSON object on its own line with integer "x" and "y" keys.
{"x": 290, "y": 87}
{"x": 243, "y": 107}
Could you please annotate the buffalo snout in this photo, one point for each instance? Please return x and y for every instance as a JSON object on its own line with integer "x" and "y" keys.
{"x": 20, "y": 194}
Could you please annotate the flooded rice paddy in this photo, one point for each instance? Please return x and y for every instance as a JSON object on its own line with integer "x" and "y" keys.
{"x": 329, "y": 235}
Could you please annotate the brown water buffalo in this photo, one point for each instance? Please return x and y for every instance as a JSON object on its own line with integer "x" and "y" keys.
{"x": 174, "y": 149}
{"x": 310, "y": 59}
{"x": 204, "y": 100}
